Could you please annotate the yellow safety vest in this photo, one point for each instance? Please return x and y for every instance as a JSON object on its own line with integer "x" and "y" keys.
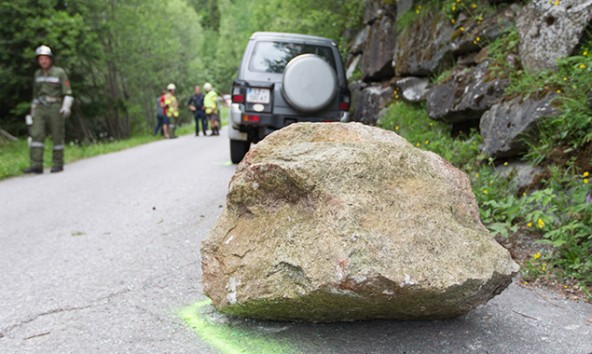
{"x": 172, "y": 105}
{"x": 211, "y": 102}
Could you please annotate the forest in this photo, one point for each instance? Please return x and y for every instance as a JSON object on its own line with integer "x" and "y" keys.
{"x": 120, "y": 54}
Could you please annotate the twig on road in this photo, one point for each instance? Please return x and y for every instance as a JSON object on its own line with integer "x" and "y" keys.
{"x": 37, "y": 335}
{"x": 547, "y": 300}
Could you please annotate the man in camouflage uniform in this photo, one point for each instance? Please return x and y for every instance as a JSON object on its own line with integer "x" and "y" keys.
{"x": 52, "y": 102}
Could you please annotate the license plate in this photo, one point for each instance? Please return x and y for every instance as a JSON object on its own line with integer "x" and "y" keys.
{"x": 258, "y": 95}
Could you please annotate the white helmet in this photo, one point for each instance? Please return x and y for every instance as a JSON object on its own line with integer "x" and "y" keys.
{"x": 208, "y": 86}
{"x": 171, "y": 87}
{"x": 43, "y": 50}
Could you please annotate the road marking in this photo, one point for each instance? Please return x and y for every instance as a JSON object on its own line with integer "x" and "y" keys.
{"x": 226, "y": 338}
{"x": 225, "y": 163}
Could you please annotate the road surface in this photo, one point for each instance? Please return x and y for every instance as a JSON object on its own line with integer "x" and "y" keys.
{"x": 103, "y": 258}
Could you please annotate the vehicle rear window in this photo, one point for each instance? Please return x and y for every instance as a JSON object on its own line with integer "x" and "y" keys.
{"x": 272, "y": 57}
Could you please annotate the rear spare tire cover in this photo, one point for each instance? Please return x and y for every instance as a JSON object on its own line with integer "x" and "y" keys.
{"x": 309, "y": 83}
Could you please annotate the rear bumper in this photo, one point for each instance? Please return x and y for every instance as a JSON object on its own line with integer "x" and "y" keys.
{"x": 243, "y": 124}
{"x": 275, "y": 121}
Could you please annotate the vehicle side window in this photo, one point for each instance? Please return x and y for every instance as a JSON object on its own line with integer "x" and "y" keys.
{"x": 272, "y": 57}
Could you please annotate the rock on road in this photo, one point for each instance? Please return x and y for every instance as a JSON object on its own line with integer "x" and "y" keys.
{"x": 101, "y": 258}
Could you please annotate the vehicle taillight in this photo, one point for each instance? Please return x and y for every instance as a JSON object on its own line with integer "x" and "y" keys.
{"x": 251, "y": 118}
{"x": 238, "y": 95}
{"x": 345, "y": 100}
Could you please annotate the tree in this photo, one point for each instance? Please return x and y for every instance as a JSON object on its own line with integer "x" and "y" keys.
{"x": 121, "y": 54}
{"x": 26, "y": 25}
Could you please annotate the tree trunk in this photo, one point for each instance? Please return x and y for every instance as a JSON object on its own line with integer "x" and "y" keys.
{"x": 113, "y": 93}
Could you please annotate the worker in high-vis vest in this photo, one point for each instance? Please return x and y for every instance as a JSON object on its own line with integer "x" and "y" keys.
{"x": 211, "y": 108}
{"x": 52, "y": 104}
{"x": 172, "y": 108}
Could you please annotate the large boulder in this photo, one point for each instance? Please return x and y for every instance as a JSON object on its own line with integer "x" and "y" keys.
{"x": 378, "y": 50}
{"x": 413, "y": 89}
{"x": 370, "y": 101}
{"x": 333, "y": 222}
{"x": 550, "y": 30}
{"x": 466, "y": 96}
{"x": 504, "y": 126}
{"x": 423, "y": 48}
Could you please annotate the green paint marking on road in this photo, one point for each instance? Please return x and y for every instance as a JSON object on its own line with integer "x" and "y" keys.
{"x": 226, "y": 338}
{"x": 225, "y": 163}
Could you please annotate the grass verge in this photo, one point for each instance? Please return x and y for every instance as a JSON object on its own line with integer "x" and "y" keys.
{"x": 14, "y": 156}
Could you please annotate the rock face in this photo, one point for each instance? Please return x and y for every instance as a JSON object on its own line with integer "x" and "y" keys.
{"x": 370, "y": 101}
{"x": 352, "y": 66}
{"x": 466, "y": 97}
{"x": 375, "y": 9}
{"x": 378, "y": 52}
{"x": 549, "y": 31}
{"x": 488, "y": 30}
{"x": 424, "y": 47}
{"x": 334, "y": 222}
{"x": 504, "y": 124}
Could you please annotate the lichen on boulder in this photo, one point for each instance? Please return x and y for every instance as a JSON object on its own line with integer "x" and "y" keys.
{"x": 339, "y": 222}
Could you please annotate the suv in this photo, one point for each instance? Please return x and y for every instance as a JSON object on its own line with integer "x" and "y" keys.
{"x": 285, "y": 78}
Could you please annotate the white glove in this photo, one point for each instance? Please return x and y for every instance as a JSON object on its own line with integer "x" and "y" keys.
{"x": 29, "y": 119}
{"x": 67, "y": 106}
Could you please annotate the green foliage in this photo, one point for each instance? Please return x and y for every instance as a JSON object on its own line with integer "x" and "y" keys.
{"x": 119, "y": 55}
{"x": 14, "y": 156}
{"x": 499, "y": 50}
{"x": 443, "y": 77}
{"x": 473, "y": 9}
{"x": 570, "y": 130}
{"x": 209, "y": 12}
{"x": 413, "y": 123}
{"x": 559, "y": 214}
{"x": 27, "y": 24}
{"x": 408, "y": 18}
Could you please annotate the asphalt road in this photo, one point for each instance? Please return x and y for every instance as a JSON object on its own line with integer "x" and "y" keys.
{"x": 101, "y": 259}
